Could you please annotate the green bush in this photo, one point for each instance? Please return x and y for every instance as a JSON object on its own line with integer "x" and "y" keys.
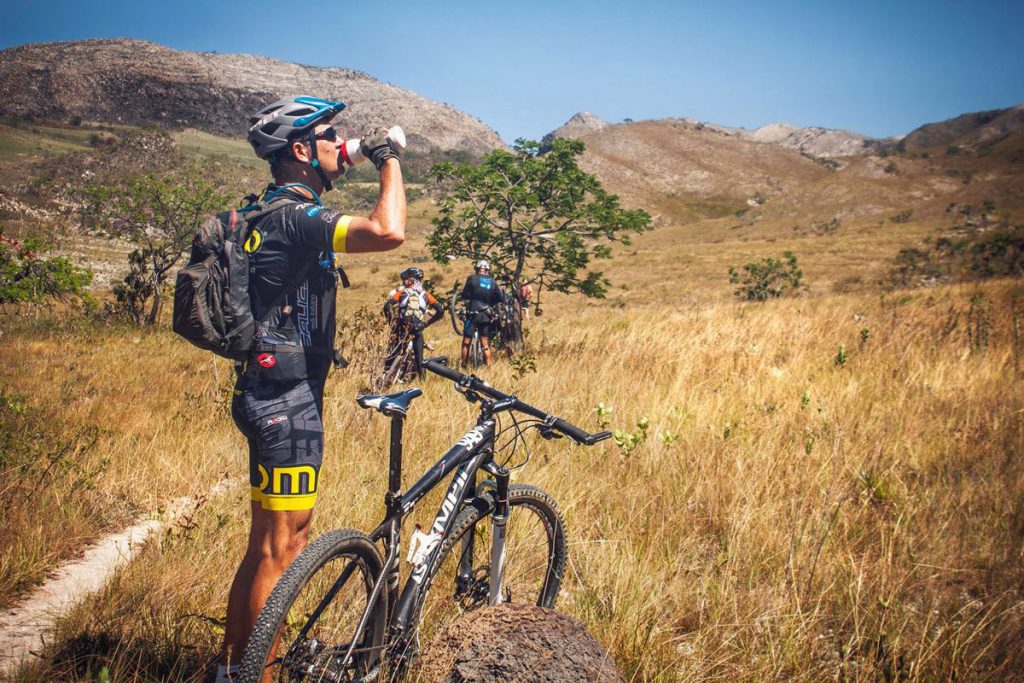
{"x": 768, "y": 278}
{"x": 902, "y": 216}
{"x": 28, "y": 278}
{"x": 995, "y": 253}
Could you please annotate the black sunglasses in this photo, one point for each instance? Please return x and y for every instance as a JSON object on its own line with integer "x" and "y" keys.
{"x": 330, "y": 135}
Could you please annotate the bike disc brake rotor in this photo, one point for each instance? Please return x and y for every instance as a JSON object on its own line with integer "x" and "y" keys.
{"x": 474, "y": 593}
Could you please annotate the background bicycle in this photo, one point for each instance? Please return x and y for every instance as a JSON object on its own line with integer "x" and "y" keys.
{"x": 506, "y": 323}
{"x": 403, "y": 357}
{"x": 338, "y": 612}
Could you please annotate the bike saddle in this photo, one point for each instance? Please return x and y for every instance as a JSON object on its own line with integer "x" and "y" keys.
{"x": 390, "y": 404}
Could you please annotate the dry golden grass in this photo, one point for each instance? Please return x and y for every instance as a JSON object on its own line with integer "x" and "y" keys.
{"x": 787, "y": 517}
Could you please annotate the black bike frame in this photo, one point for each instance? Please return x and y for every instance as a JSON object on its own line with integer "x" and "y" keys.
{"x": 473, "y": 451}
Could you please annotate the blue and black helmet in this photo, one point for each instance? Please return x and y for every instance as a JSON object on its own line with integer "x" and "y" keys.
{"x": 285, "y": 120}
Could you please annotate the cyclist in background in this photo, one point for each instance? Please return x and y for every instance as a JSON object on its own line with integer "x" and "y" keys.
{"x": 410, "y": 309}
{"x": 480, "y": 292}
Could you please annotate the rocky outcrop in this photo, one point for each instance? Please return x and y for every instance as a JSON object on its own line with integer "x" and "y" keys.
{"x": 516, "y": 643}
{"x": 576, "y": 127}
{"x": 814, "y": 141}
{"x": 141, "y": 83}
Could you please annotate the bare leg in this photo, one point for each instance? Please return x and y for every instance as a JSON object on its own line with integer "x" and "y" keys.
{"x": 466, "y": 341}
{"x": 487, "y": 350}
{"x": 276, "y": 537}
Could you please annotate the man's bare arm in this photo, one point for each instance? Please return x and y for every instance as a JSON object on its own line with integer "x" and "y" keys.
{"x": 384, "y": 228}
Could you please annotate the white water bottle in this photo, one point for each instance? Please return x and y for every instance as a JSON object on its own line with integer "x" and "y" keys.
{"x": 351, "y": 156}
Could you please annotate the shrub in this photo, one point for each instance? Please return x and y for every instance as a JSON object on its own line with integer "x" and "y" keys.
{"x": 995, "y": 253}
{"x": 767, "y": 278}
{"x": 27, "y": 277}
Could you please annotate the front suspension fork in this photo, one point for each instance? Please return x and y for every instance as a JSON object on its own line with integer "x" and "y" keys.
{"x": 499, "y": 519}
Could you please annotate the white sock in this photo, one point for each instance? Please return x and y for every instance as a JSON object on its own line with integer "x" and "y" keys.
{"x": 224, "y": 673}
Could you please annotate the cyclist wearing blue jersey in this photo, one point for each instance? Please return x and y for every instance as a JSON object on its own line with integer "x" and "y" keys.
{"x": 481, "y": 292}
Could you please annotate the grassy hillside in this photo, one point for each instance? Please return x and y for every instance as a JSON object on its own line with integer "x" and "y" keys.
{"x": 830, "y": 487}
{"x": 789, "y": 515}
{"x": 684, "y": 172}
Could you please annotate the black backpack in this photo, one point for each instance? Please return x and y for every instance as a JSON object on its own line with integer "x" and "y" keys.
{"x": 211, "y": 297}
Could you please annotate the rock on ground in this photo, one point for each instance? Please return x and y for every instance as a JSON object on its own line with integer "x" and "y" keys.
{"x": 516, "y": 643}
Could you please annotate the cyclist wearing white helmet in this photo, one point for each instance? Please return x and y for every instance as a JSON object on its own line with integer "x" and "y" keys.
{"x": 480, "y": 292}
{"x": 278, "y": 399}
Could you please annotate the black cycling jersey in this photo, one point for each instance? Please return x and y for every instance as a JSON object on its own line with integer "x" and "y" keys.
{"x": 297, "y": 340}
{"x": 481, "y": 291}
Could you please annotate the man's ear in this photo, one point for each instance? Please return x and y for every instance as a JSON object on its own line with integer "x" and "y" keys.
{"x": 300, "y": 151}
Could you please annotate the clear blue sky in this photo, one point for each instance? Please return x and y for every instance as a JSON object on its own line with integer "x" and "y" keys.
{"x": 525, "y": 66}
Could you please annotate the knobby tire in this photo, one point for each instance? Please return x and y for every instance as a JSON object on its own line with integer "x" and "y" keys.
{"x": 476, "y": 351}
{"x": 295, "y": 597}
{"x": 535, "y": 558}
{"x": 453, "y": 313}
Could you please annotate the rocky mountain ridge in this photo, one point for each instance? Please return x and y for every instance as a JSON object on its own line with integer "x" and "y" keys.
{"x": 142, "y": 83}
{"x": 977, "y": 128}
{"x": 972, "y": 129}
{"x": 814, "y": 141}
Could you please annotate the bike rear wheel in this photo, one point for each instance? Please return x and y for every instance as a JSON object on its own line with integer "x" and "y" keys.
{"x": 535, "y": 558}
{"x": 316, "y": 609}
{"x": 476, "y": 351}
{"x": 512, "y": 329}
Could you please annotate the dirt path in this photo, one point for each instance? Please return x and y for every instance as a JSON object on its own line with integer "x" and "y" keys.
{"x": 27, "y": 626}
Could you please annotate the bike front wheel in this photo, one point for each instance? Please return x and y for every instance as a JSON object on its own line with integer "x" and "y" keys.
{"x": 535, "y": 558}
{"x": 307, "y": 630}
{"x": 397, "y": 367}
{"x": 453, "y": 313}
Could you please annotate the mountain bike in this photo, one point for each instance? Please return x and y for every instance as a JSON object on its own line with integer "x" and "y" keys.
{"x": 460, "y": 316}
{"x": 400, "y": 361}
{"x": 509, "y": 324}
{"x": 337, "y": 613}
{"x": 507, "y": 327}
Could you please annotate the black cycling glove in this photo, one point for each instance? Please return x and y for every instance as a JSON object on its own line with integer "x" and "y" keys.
{"x": 378, "y": 148}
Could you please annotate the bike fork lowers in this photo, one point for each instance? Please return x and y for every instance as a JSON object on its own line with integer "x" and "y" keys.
{"x": 499, "y": 519}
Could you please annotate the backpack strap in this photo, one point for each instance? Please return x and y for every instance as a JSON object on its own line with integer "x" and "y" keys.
{"x": 290, "y": 288}
{"x": 249, "y": 218}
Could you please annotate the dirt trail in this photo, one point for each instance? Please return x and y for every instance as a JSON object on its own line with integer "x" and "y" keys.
{"x": 27, "y": 626}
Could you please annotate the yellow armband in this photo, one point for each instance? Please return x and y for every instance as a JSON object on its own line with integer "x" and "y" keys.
{"x": 341, "y": 233}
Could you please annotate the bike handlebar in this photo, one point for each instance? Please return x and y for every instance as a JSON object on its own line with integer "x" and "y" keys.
{"x": 474, "y": 383}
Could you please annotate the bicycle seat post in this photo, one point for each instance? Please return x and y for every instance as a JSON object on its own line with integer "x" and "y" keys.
{"x": 395, "y": 464}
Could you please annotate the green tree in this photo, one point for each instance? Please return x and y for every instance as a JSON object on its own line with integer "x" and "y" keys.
{"x": 159, "y": 213}
{"x": 535, "y": 217}
{"x": 767, "y": 278}
{"x": 27, "y": 277}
